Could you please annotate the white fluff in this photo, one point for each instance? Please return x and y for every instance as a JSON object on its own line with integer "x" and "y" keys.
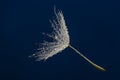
{"x": 60, "y": 36}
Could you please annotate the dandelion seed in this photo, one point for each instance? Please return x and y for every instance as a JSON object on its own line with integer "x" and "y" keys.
{"x": 61, "y": 41}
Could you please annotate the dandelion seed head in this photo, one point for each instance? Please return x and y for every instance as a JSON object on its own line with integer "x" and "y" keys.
{"x": 60, "y": 41}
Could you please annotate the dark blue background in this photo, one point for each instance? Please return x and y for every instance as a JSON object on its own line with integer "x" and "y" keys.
{"x": 94, "y": 28}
